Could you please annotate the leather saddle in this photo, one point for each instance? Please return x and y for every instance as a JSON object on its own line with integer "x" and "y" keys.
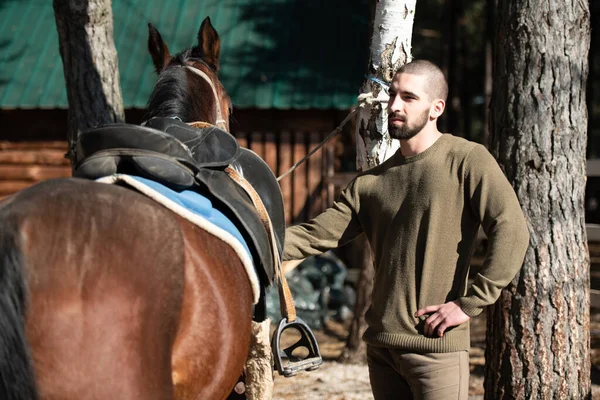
{"x": 181, "y": 157}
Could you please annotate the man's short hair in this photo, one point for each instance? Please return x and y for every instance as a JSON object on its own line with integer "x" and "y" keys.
{"x": 437, "y": 86}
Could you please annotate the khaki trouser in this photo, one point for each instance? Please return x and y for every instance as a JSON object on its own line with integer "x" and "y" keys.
{"x": 397, "y": 374}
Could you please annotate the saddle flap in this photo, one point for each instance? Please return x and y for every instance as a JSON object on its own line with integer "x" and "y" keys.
{"x": 164, "y": 171}
{"x": 241, "y": 208}
{"x": 97, "y": 167}
{"x": 259, "y": 175}
{"x": 155, "y": 166}
{"x": 231, "y": 199}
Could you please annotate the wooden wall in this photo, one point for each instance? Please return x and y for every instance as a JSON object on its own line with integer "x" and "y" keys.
{"x": 33, "y": 145}
{"x": 24, "y": 163}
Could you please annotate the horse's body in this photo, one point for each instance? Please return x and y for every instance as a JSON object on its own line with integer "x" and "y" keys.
{"x": 105, "y": 294}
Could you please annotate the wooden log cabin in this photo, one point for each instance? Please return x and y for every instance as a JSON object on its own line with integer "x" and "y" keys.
{"x": 293, "y": 72}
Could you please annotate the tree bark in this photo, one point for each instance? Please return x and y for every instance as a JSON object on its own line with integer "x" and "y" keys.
{"x": 538, "y": 332}
{"x": 391, "y": 31}
{"x": 87, "y": 49}
{"x": 390, "y": 49}
{"x": 593, "y": 149}
{"x": 259, "y": 369}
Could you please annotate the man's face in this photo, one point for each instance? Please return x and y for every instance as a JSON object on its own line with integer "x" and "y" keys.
{"x": 409, "y": 106}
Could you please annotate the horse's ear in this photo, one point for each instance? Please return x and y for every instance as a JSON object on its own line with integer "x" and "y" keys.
{"x": 209, "y": 43}
{"x": 158, "y": 49}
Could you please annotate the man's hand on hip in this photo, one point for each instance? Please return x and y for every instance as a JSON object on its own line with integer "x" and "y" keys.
{"x": 443, "y": 316}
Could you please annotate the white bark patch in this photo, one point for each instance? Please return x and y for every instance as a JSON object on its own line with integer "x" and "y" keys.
{"x": 394, "y": 23}
{"x": 390, "y": 49}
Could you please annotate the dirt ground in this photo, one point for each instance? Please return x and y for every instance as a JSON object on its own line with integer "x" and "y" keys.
{"x": 335, "y": 381}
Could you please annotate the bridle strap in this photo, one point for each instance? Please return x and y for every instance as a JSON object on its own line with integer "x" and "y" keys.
{"x": 221, "y": 123}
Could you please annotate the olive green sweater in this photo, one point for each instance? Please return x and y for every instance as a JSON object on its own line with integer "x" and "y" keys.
{"x": 421, "y": 215}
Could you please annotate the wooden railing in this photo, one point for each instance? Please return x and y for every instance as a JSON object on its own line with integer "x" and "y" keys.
{"x": 304, "y": 191}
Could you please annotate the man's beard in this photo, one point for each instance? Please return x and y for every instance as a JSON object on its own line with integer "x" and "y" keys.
{"x": 405, "y": 131}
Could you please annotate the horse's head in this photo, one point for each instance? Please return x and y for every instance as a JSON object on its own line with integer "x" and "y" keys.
{"x": 188, "y": 86}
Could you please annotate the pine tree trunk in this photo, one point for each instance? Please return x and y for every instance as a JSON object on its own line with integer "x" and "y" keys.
{"x": 538, "y": 332}
{"x": 87, "y": 49}
{"x": 390, "y": 49}
{"x": 592, "y": 89}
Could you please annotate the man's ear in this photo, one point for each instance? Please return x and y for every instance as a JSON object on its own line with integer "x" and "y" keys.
{"x": 437, "y": 108}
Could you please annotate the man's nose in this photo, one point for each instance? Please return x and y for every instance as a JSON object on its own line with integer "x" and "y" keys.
{"x": 395, "y": 104}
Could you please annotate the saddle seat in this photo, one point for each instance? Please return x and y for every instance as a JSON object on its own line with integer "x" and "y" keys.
{"x": 180, "y": 157}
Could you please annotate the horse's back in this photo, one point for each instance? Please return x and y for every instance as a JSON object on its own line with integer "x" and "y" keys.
{"x": 104, "y": 273}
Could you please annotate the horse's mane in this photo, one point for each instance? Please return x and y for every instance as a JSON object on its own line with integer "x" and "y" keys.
{"x": 170, "y": 96}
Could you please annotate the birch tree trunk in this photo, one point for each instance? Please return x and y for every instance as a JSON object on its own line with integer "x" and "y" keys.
{"x": 390, "y": 49}
{"x": 538, "y": 340}
{"x": 392, "y": 27}
{"x": 87, "y": 49}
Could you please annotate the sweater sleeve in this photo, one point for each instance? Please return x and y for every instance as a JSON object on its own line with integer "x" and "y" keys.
{"x": 334, "y": 227}
{"x": 495, "y": 203}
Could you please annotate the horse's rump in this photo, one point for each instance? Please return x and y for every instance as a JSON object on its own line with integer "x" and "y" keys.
{"x": 214, "y": 336}
{"x": 114, "y": 292}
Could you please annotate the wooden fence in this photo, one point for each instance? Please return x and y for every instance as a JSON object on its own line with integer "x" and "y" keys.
{"x": 305, "y": 191}
{"x": 25, "y": 163}
{"x": 593, "y": 236}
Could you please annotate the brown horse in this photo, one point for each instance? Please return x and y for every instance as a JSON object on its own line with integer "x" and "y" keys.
{"x": 105, "y": 294}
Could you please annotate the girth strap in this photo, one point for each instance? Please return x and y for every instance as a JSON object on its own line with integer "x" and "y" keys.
{"x": 287, "y": 307}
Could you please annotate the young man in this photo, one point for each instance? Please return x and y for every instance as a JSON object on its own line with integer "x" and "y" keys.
{"x": 421, "y": 211}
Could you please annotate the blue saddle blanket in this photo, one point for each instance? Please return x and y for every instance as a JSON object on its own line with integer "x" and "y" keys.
{"x": 198, "y": 205}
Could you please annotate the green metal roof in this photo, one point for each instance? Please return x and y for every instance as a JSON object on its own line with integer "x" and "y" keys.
{"x": 274, "y": 53}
